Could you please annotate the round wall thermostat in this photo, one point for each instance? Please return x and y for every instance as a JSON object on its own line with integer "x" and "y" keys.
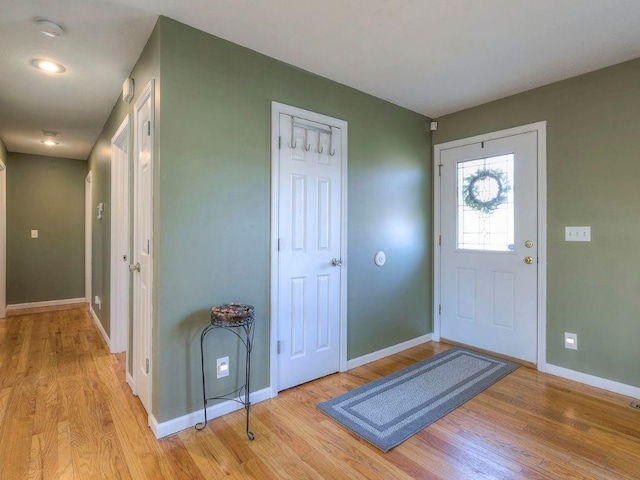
{"x": 380, "y": 259}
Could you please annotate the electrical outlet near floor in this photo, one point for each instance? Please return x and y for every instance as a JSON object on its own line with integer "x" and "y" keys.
{"x": 635, "y": 405}
{"x": 571, "y": 340}
{"x": 222, "y": 367}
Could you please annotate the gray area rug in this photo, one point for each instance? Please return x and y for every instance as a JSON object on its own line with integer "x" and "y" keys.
{"x": 388, "y": 411}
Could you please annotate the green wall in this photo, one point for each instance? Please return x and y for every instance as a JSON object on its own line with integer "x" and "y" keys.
{"x": 213, "y": 230}
{"x": 147, "y": 68}
{"x": 45, "y": 194}
{"x": 593, "y": 145}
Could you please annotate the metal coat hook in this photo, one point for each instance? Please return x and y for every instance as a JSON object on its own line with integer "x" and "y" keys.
{"x": 295, "y": 144}
{"x": 318, "y": 149}
{"x": 332, "y": 151}
{"x": 307, "y": 145}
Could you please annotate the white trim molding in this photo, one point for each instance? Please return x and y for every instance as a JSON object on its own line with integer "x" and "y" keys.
{"x": 385, "y": 352}
{"x": 88, "y": 225}
{"x": 48, "y": 303}
{"x": 277, "y": 109}
{"x": 100, "y": 328}
{"x": 175, "y": 425}
{"x": 598, "y": 382}
{"x": 3, "y": 239}
{"x": 129, "y": 379}
{"x": 541, "y": 129}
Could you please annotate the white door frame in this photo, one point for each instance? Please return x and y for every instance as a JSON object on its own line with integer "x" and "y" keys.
{"x": 541, "y": 129}
{"x": 147, "y": 93}
{"x": 276, "y": 110}
{"x": 88, "y": 224}
{"x": 3, "y": 240}
{"x": 119, "y": 288}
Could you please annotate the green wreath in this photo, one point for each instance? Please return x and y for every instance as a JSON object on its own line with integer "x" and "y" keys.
{"x": 471, "y": 191}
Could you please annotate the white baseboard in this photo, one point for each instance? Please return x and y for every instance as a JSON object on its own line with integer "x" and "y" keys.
{"x": 130, "y": 382}
{"x": 100, "y": 328}
{"x": 612, "y": 386}
{"x": 176, "y": 425}
{"x": 385, "y": 352}
{"x": 49, "y": 303}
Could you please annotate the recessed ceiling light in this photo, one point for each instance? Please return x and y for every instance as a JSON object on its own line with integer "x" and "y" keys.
{"x": 48, "y": 66}
{"x": 49, "y": 139}
{"x": 49, "y": 28}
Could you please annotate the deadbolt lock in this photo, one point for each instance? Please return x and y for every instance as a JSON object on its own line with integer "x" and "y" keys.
{"x": 528, "y": 244}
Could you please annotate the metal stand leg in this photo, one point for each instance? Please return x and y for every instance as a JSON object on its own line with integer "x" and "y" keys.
{"x": 248, "y": 330}
{"x": 248, "y": 342}
{"x": 201, "y": 425}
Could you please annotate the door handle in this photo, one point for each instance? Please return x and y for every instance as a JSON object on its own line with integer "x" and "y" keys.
{"x": 528, "y": 260}
{"x": 336, "y": 262}
{"x": 134, "y": 268}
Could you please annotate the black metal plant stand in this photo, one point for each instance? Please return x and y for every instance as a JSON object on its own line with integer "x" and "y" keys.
{"x": 237, "y": 319}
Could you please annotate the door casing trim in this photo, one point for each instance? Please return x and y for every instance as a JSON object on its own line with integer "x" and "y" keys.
{"x": 541, "y": 129}
{"x": 276, "y": 109}
{"x": 88, "y": 234}
{"x": 3, "y": 240}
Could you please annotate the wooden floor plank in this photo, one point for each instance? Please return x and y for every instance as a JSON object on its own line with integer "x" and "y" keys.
{"x": 66, "y": 412}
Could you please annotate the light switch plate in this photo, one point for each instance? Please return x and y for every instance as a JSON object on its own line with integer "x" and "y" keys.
{"x": 34, "y": 233}
{"x": 577, "y": 234}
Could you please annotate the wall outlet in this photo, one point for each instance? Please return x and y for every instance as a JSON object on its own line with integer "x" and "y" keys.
{"x": 222, "y": 367}
{"x": 571, "y": 340}
{"x": 34, "y": 233}
{"x": 98, "y": 302}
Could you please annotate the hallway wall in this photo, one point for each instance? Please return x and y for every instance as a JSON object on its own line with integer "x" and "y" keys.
{"x": 44, "y": 194}
{"x": 213, "y": 222}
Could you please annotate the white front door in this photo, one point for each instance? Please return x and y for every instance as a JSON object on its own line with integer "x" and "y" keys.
{"x": 142, "y": 238}
{"x": 489, "y": 250}
{"x": 310, "y": 250}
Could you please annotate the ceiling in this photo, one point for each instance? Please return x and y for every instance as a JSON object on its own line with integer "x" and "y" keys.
{"x": 100, "y": 47}
{"x": 430, "y": 56}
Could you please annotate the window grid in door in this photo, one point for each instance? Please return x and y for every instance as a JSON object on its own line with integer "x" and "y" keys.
{"x": 485, "y": 204}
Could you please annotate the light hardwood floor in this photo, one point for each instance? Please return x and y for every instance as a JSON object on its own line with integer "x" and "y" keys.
{"x": 66, "y": 412}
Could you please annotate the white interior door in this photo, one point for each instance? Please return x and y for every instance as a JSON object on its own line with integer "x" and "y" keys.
{"x": 489, "y": 251}
{"x": 3, "y": 240}
{"x": 142, "y": 237}
{"x": 310, "y": 242}
{"x": 120, "y": 239}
